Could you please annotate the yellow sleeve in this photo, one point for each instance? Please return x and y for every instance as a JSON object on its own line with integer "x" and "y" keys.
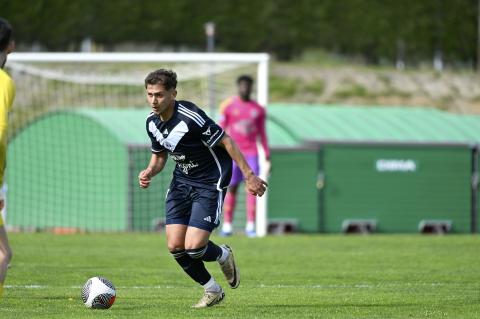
{"x": 7, "y": 95}
{"x": 7, "y": 90}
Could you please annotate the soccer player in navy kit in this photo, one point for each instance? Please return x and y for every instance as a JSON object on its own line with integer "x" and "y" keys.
{"x": 203, "y": 153}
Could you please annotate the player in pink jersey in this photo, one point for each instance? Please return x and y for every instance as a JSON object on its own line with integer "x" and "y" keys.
{"x": 244, "y": 120}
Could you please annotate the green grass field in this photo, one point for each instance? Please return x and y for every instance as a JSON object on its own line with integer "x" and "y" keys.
{"x": 301, "y": 276}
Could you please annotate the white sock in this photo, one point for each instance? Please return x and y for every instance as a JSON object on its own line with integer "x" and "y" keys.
{"x": 250, "y": 227}
{"x": 224, "y": 255}
{"x": 227, "y": 227}
{"x": 212, "y": 286}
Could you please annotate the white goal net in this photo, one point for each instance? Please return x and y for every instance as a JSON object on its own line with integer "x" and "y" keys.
{"x": 76, "y": 88}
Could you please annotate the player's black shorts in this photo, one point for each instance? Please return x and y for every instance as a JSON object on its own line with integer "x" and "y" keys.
{"x": 194, "y": 206}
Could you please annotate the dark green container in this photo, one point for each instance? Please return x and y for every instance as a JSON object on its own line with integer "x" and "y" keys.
{"x": 396, "y": 165}
{"x": 396, "y": 185}
{"x": 79, "y": 169}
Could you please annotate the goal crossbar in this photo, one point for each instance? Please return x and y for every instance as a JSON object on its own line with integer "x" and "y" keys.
{"x": 138, "y": 57}
{"x": 262, "y": 59}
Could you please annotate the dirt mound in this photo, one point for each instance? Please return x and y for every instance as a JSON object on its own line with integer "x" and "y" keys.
{"x": 457, "y": 92}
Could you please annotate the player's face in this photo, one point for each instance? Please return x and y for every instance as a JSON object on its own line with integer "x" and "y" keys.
{"x": 161, "y": 100}
{"x": 244, "y": 90}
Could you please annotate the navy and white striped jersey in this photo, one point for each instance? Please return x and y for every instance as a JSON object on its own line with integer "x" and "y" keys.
{"x": 191, "y": 138}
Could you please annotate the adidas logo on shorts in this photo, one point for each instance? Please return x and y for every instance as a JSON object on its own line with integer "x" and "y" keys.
{"x": 208, "y": 219}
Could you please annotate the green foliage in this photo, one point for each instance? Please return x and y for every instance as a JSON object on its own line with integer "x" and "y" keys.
{"x": 320, "y": 57}
{"x": 395, "y": 92}
{"x": 352, "y": 90}
{"x": 316, "y": 87}
{"x": 376, "y": 30}
{"x": 282, "y": 87}
{"x": 287, "y": 88}
{"x": 330, "y": 276}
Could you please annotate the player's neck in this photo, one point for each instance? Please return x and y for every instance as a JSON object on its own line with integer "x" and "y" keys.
{"x": 165, "y": 116}
{"x": 244, "y": 98}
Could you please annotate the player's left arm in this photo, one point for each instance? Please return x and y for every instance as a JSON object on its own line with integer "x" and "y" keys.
{"x": 254, "y": 184}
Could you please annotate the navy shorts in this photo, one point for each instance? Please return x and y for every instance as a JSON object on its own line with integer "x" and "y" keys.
{"x": 194, "y": 206}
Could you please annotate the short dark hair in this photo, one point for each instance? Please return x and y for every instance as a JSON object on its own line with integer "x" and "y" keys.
{"x": 6, "y": 34}
{"x": 167, "y": 78}
{"x": 246, "y": 78}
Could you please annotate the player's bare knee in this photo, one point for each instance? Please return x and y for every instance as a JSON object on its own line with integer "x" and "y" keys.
{"x": 196, "y": 239}
{"x": 195, "y": 242}
{"x": 175, "y": 247}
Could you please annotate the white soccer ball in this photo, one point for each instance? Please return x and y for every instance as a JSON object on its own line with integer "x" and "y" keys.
{"x": 98, "y": 293}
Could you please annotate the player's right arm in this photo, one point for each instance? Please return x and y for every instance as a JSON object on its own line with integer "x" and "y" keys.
{"x": 156, "y": 165}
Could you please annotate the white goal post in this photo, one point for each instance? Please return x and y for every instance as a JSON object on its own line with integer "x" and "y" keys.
{"x": 43, "y": 65}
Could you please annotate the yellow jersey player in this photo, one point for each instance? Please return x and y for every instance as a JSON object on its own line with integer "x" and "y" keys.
{"x": 7, "y": 94}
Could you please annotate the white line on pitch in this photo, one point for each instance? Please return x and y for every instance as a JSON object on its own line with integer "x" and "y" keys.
{"x": 313, "y": 286}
